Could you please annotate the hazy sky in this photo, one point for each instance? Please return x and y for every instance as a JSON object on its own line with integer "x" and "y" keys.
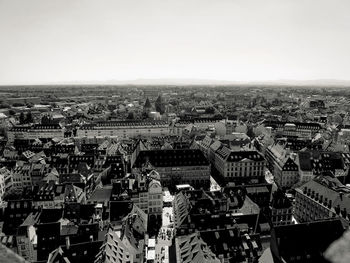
{"x": 44, "y": 41}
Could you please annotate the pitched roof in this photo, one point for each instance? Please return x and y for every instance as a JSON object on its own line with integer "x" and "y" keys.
{"x": 307, "y": 240}
{"x": 192, "y": 248}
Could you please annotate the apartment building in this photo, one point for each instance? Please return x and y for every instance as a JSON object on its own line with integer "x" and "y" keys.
{"x": 144, "y": 191}
{"x": 323, "y": 197}
{"x": 242, "y": 166}
{"x": 124, "y": 129}
{"x": 282, "y": 165}
{"x": 180, "y": 166}
{"x": 294, "y": 129}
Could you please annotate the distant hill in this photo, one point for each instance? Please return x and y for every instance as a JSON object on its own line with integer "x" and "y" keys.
{"x": 207, "y": 82}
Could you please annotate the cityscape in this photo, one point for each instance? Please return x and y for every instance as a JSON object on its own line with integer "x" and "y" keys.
{"x": 174, "y": 131}
{"x": 174, "y": 173}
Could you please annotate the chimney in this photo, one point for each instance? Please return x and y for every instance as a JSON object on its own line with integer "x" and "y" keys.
{"x": 67, "y": 243}
{"x": 344, "y": 212}
{"x": 330, "y": 204}
{"x": 337, "y": 209}
{"x": 91, "y": 238}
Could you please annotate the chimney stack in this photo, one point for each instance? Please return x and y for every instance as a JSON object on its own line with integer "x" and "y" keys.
{"x": 67, "y": 243}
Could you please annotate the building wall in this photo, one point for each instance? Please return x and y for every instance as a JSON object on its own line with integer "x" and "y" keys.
{"x": 125, "y": 132}
{"x": 26, "y": 244}
{"x": 34, "y": 134}
{"x": 45, "y": 133}
{"x": 281, "y": 216}
{"x": 239, "y": 170}
{"x": 155, "y": 198}
{"x": 285, "y": 178}
{"x": 305, "y": 176}
{"x": 2, "y": 188}
{"x": 196, "y": 176}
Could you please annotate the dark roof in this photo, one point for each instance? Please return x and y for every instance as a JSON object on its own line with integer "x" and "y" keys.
{"x": 198, "y": 120}
{"x": 49, "y": 215}
{"x": 229, "y": 242}
{"x": 307, "y": 240}
{"x": 119, "y": 209}
{"x": 237, "y": 156}
{"x": 170, "y": 158}
{"x": 320, "y": 161}
{"x": 82, "y": 252}
{"x": 280, "y": 200}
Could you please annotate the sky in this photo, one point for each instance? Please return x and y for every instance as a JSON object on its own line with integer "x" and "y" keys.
{"x": 68, "y": 41}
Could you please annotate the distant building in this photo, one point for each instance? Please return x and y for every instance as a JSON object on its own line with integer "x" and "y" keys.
{"x": 124, "y": 129}
{"x": 318, "y": 104}
{"x": 202, "y": 124}
{"x": 294, "y": 129}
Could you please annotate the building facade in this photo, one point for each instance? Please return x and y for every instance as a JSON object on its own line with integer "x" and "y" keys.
{"x": 124, "y": 129}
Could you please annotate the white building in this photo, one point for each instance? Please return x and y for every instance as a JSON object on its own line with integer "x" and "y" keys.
{"x": 125, "y": 129}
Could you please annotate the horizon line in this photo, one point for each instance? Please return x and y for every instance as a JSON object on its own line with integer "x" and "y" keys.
{"x": 188, "y": 81}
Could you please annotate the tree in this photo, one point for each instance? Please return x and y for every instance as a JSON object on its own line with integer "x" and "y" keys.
{"x": 147, "y": 104}
{"x": 144, "y": 115}
{"x": 250, "y": 132}
{"x": 17, "y": 104}
{"x": 160, "y": 107}
{"x": 21, "y": 118}
{"x": 210, "y": 110}
{"x": 29, "y": 118}
{"x": 130, "y": 116}
{"x": 29, "y": 105}
{"x": 4, "y": 105}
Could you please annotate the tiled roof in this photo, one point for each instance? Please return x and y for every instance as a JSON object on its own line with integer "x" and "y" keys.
{"x": 192, "y": 249}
